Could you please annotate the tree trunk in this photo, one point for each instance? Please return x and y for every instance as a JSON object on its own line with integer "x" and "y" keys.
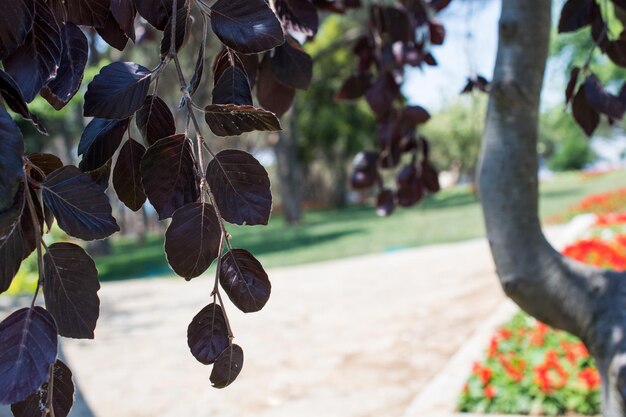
{"x": 289, "y": 171}
{"x": 586, "y": 301}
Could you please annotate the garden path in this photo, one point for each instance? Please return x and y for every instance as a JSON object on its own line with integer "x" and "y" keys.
{"x": 349, "y": 338}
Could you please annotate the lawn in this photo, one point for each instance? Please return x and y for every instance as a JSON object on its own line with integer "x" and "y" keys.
{"x": 450, "y": 216}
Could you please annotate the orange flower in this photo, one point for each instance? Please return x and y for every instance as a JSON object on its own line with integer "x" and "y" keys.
{"x": 490, "y": 392}
{"x": 550, "y": 375}
{"x": 484, "y": 373}
{"x": 590, "y": 377}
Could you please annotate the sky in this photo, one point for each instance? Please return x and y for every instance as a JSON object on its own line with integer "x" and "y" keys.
{"x": 459, "y": 56}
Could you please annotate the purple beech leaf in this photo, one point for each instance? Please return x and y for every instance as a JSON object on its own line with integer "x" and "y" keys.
{"x": 409, "y": 186}
{"x": 13, "y": 97}
{"x": 363, "y": 179}
{"x": 70, "y": 289}
{"x": 192, "y": 239}
{"x": 118, "y": 91}
{"x": 113, "y": 34}
{"x": 415, "y": 115}
{"x": 167, "y": 171}
{"x": 183, "y": 27}
{"x": 127, "y": 175}
{"x": 382, "y": 94}
{"x": 79, "y": 205}
{"x": 155, "y": 120}
{"x": 101, "y": 176}
{"x": 244, "y": 280}
{"x": 62, "y": 395}
{"x": 241, "y": 187}
{"x": 157, "y": 13}
{"x": 37, "y": 60}
{"x": 227, "y": 367}
{"x": 272, "y": 94}
{"x": 46, "y": 162}
{"x": 10, "y": 218}
{"x": 298, "y": 15}
{"x": 571, "y": 84}
{"x": 199, "y": 69}
{"x": 577, "y": 14}
{"x": 18, "y": 16}
{"x": 75, "y": 48}
{"x": 99, "y": 142}
{"x": 354, "y": 87}
{"x": 247, "y": 26}
{"x": 248, "y": 64}
{"x": 11, "y": 152}
{"x": 584, "y": 113}
{"x": 232, "y": 120}
{"x": 18, "y": 243}
{"x": 81, "y": 12}
{"x": 385, "y": 203}
{"x": 207, "y": 334}
{"x": 28, "y": 346}
{"x": 233, "y": 88}
{"x": 291, "y": 65}
{"x": 601, "y": 100}
{"x": 123, "y": 12}
{"x": 430, "y": 177}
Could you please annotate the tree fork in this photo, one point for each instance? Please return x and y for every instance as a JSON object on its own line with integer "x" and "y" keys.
{"x": 585, "y": 301}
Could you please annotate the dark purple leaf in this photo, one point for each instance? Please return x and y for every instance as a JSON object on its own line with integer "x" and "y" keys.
{"x": 601, "y": 100}
{"x": 35, "y": 62}
{"x": 363, "y": 179}
{"x": 616, "y": 50}
{"x": 183, "y": 26}
{"x": 207, "y": 334}
{"x": 199, "y": 69}
{"x": 576, "y": 14}
{"x": 11, "y": 152}
{"x": 18, "y": 17}
{"x": 127, "y": 175}
{"x": 469, "y": 87}
{"x": 298, "y": 15}
{"x": 249, "y": 64}
{"x": 62, "y": 395}
{"x": 46, "y": 162}
{"x": 101, "y": 144}
{"x": 167, "y": 171}
{"x": 247, "y": 26}
{"x": 354, "y": 87}
{"x": 366, "y": 161}
{"x": 81, "y": 12}
{"x": 381, "y": 95}
{"x": 415, "y": 115}
{"x": 430, "y": 177}
{"x": 409, "y": 186}
{"x": 291, "y": 65}
{"x": 385, "y": 203}
{"x": 123, "y": 12}
{"x": 158, "y": 13}
{"x": 571, "y": 84}
{"x": 80, "y": 206}
{"x": 70, "y": 289}
{"x": 227, "y": 366}
{"x": 584, "y": 113}
{"x": 118, "y": 91}
{"x": 244, "y": 280}
{"x": 113, "y": 34}
{"x": 101, "y": 176}
{"x": 192, "y": 239}
{"x": 393, "y": 22}
{"x": 155, "y": 120}
{"x": 232, "y": 88}
{"x": 28, "y": 346}
{"x": 231, "y": 120}
{"x": 273, "y": 95}
{"x": 437, "y": 32}
{"x": 13, "y": 97}
{"x": 241, "y": 187}
{"x": 101, "y": 130}
{"x": 75, "y": 50}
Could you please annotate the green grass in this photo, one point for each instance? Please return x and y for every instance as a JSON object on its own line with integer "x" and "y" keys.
{"x": 450, "y": 216}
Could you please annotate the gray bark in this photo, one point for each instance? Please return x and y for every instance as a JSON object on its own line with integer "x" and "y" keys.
{"x": 585, "y": 301}
{"x": 289, "y": 170}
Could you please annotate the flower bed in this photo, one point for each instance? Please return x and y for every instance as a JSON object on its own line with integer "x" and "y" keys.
{"x": 531, "y": 368}
{"x": 602, "y": 203}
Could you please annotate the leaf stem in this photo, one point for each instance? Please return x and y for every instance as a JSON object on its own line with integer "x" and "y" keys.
{"x": 38, "y": 240}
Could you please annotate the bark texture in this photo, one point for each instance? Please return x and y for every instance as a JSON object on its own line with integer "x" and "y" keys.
{"x": 586, "y": 301}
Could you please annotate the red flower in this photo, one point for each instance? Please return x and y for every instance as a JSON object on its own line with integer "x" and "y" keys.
{"x": 513, "y": 366}
{"x": 550, "y": 375}
{"x": 590, "y": 377}
{"x": 484, "y": 373}
{"x": 489, "y": 391}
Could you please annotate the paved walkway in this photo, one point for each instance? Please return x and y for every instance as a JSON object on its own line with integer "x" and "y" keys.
{"x": 350, "y": 338}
